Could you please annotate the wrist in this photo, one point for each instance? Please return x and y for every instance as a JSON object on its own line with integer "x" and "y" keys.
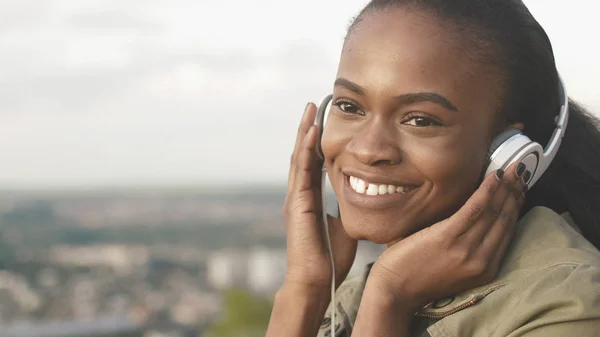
{"x": 299, "y": 290}
{"x": 392, "y": 292}
{"x": 381, "y": 313}
{"x": 297, "y": 310}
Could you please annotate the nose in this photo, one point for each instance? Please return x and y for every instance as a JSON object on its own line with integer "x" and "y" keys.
{"x": 375, "y": 144}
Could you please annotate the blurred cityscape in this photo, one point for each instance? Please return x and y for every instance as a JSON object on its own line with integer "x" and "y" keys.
{"x": 164, "y": 263}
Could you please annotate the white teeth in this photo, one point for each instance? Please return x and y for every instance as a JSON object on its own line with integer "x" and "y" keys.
{"x": 362, "y": 187}
{"x": 373, "y": 189}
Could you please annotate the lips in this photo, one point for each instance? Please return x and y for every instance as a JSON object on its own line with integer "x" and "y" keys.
{"x": 363, "y": 187}
{"x": 375, "y": 192}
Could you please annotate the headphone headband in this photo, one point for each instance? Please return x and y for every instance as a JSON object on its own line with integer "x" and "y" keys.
{"x": 560, "y": 126}
{"x": 320, "y": 123}
{"x": 560, "y": 121}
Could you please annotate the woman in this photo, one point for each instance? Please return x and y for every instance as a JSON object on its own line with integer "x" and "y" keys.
{"x": 423, "y": 87}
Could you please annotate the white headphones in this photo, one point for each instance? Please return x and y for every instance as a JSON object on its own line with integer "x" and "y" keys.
{"x": 509, "y": 146}
{"x": 513, "y": 146}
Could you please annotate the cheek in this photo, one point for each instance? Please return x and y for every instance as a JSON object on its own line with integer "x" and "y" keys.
{"x": 443, "y": 165}
{"x": 333, "y": 141}
{"x": 453, "y": 171}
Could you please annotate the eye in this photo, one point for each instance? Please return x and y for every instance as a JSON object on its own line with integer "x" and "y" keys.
{"x": 347, "y": 107}
{"x": 421, "y": 122}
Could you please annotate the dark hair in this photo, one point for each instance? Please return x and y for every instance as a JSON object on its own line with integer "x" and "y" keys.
{"x": 506, "y": 35}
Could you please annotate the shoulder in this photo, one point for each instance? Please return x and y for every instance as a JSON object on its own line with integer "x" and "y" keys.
{"x": 548, "y": 285}
{"x": 560, "y": 300}
{"x": 544, "y": 237}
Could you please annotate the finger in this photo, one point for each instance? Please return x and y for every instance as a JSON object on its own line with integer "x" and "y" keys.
{"x": 305, "y": 123}
{"x": 518, "y": 188}
{"x": 300, "y": 134}
{"x": 514, "y": 180}
{"x": 495, "y": 239}
{"x": 317, "y": 161}
{"x": 475, "y": 206}
{"x": 500, "y": 253}
{"x": 303, "y": 178}
{"x": 475, "y": 234}
{"x": 525, "y": 177}
{"x": 496, "y": 243}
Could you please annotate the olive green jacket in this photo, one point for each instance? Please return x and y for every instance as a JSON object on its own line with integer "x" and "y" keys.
{"x": 548, "y": 286}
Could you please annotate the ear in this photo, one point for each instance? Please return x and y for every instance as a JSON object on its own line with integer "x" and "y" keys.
{"x": 518, "y": 126}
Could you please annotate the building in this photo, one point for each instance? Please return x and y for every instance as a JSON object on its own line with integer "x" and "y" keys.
{"x": 226, "y": 269}
{"x": 266, "y": 269}
{"x": 104, "y": 327}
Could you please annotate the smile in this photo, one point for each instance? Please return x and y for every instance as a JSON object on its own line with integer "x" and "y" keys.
{"x": 376, "y": 195}
{"x": 363, "y": 187}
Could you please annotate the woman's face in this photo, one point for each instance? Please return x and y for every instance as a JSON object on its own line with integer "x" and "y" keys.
{"x": 411, "y": 121}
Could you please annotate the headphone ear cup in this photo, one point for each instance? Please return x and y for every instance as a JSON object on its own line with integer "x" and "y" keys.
{"x": 500, "y": 139}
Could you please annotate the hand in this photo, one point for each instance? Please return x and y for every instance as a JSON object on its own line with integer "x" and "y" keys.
{"x": 458, "y": 253}
{"x": 308, "y": 262}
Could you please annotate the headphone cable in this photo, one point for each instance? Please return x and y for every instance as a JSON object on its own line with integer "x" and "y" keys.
{"x": 329, "y": 248}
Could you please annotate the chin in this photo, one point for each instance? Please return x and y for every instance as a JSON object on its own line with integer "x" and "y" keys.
{"x": 377, "y": 228}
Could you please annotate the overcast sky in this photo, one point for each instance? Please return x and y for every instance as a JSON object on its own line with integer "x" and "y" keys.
{"x": 161, "y": 92}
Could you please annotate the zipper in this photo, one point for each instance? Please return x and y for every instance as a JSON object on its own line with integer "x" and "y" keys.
{"x": 474, "y": 300}
{"x": 448, "y": 313}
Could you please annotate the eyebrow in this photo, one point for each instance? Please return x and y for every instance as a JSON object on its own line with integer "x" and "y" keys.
{"x": 410, "y": 98}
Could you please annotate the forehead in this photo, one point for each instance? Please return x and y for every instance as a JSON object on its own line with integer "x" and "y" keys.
{"x": 399, "y": 50}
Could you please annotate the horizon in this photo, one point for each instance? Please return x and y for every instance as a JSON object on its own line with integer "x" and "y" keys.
{"x": 174, "y": 189}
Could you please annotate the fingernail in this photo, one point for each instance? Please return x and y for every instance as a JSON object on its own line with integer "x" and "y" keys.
{"x": 499, "y": 174}
{"x": 307, "y": 105}
{"x": 526, "y": 177}
{"x": 520, "y": 169}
